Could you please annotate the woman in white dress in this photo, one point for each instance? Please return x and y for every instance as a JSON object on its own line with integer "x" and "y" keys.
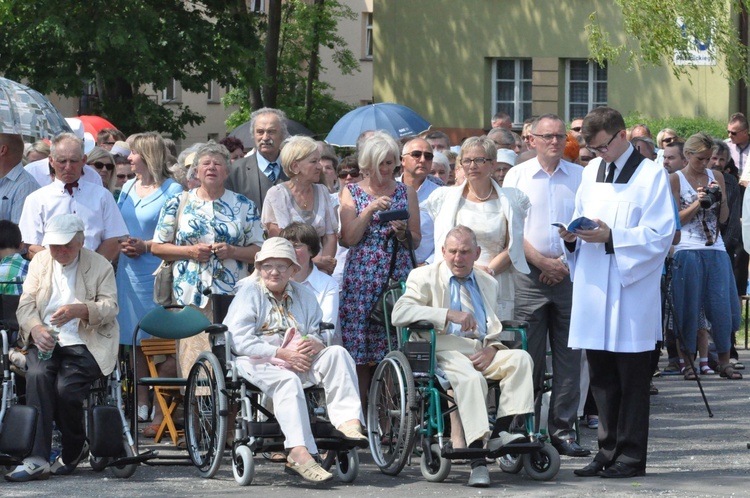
{"x": 495, "y": 214}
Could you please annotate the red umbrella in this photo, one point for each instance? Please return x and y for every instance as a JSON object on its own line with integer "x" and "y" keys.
{"x": 93, "y": 124}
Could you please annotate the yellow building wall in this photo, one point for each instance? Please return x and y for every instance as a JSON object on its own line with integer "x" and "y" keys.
{"x": 435, "y": 56}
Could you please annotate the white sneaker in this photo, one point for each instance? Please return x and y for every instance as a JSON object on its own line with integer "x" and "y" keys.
{"x": 58, "y": 468}
{"x": 143, "y": 413}
{"x": 32, "y": 469}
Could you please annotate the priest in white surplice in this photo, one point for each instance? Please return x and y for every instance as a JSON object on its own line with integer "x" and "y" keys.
{"x": 616, "y": 272}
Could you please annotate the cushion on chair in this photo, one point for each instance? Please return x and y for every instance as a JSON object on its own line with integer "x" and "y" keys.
{"x": 173, "y": 323}
{"x": 163, "y": 381}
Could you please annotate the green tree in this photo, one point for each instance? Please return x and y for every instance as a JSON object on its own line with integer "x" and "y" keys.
{"x": 655, "y": 30}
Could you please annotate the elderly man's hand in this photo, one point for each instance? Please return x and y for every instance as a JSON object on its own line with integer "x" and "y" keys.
{"x": 43, "y": 340}
{"x": 465, "y": 320}
{"x": 483, "y": 358}
{"x": 68, "y": 312}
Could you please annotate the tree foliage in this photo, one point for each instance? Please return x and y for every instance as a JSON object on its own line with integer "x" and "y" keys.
{"x": 656, "y": 30}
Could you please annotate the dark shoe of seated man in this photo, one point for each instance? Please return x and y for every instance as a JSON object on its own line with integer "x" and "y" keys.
{"x": 480, "y": 476}
{"x": 59, "y": 468}
{"x": 569, "y": 447}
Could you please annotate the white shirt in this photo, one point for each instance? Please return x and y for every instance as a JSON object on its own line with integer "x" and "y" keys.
{"x": 326, "y": 291}
{"x": 425, "y": 253}
{"x": 94, "y": 204}
{"x": 552, "y": 199}
{"x": 63, "y": 292}
{"x": 40, "y": 171}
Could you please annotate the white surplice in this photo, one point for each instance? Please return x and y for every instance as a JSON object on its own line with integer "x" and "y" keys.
{"x": 616, "y": 297}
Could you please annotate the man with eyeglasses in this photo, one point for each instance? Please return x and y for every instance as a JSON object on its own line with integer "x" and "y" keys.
{"x": 416, "y": 161}
{"x": 543, "y": 296}
{"x": 739, "y": 144}
{"x": 616, "y": 270}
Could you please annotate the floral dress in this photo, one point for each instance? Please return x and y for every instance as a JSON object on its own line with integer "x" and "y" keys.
{"x": 365, "y": 274}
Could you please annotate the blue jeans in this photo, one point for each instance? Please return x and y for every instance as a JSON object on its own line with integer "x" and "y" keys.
{"x": 703, "y": 278}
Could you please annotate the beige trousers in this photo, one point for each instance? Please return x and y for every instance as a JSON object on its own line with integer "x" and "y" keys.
{"x": 512, "y": 367}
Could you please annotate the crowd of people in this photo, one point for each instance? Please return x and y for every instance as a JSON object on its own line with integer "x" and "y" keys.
{"x": 478, "y": 230}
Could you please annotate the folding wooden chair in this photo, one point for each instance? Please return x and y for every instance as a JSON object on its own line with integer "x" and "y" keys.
{"x": 152, "y": 348}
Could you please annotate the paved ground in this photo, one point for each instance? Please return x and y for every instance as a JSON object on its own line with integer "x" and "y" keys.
{"x": 690, "y": 454}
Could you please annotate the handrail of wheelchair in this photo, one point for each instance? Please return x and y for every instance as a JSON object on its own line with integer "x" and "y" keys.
{"x": 6, "y": 350}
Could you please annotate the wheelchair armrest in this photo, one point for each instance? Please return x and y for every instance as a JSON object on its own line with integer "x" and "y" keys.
{"x": 515, "y": 324}
{"x": 327, "y": 326}
{"x": 421, "y": 325}
{"x": 216, "y": 328}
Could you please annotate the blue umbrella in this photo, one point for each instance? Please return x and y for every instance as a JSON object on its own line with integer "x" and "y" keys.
{"x": 396, "y": 119}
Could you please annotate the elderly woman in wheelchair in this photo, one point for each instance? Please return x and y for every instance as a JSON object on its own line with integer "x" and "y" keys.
{"x": 274, "y": 324}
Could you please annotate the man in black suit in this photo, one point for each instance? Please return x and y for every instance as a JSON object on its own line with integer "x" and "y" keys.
{"x": 260, "y": 170}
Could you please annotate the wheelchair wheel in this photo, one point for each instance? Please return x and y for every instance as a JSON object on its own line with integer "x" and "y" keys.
{"x": 345, "y": 464}
{"x": 243, "y": 465}
{"x": 440, "y": 467}
{"x": 206, "y": 414}
{"x": 542, "y": 465}
{"x": 511, "y": 464}
{"x": 98, "y": 464}
{"x": 125, "y": 471}
{"x": 391, "y": 414}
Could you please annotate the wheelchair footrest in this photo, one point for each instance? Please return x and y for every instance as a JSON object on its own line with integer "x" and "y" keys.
{"x": 462, "y": 453}
{"x": 10, "y": 460}
{"x": 143, "y": 457}
{"x": 265, "y": 429}
{"x": 520, "y": 448}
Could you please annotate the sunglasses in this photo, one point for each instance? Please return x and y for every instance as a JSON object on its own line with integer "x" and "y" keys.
{"x": 733, "y": 133}
{"x": 129, "y": 176}
{"x": 416, "y": 154}
{"x": 668, "y": 140}
{"x": 576, "y": 129}
{"x": 100, "y": 165}
{"x": 350, "y": 172}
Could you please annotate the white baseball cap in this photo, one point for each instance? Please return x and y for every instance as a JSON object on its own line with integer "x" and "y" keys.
{"x": 61, "y": 229}
{"x": 277, "y": 247}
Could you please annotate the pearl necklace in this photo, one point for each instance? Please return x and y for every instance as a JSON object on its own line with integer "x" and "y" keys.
{"x": 481, "y": 199}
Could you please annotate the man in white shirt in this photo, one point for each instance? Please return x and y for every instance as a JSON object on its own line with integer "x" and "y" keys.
{"x": 416, "y": 160}
{"x": 739, "y": 144}
{"x": 68, "y": 195}
{"x": 543, "y": 297}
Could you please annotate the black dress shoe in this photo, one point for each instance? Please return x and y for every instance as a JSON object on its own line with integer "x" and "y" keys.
{"x": 621, "y": 471}
{"x": 590, "y": 470}
{"x": 569, "y": 447}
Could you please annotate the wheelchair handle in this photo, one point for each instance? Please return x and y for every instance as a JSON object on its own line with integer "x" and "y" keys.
{"x": 421, "y": 325}
{"x": 216, "y": 328}
{"x": 327, "y": 326}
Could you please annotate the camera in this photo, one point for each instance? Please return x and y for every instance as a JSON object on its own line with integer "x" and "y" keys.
{"x": 713, "y": 195}
{"x": 393, "y": 215}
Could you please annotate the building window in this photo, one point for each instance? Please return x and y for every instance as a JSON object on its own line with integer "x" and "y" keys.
{"x": 169, "y": 94}
{"x": 512, "y": 88}
{"x": 586, "y": 87}
{"x": 368, "y": 35}
{"x": 212, "y": 96}
{"x": 258, "y": 6}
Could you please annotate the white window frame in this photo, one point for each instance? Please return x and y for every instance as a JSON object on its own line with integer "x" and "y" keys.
{"x": 591, "y": 85}
{"x": 165, "y": 93}
{"x": 258, "y": 6}
{"x": 517, "y": 83}
{"x": 368, "y": 36}
{"x": 212, "y": 95}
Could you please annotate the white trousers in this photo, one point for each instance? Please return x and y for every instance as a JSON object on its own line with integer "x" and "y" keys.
{"x": 512, "y": 367}
{"x": 333, "y": 370}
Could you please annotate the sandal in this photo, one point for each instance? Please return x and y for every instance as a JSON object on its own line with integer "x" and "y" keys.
{"x": 688, "y": 373}
{"x": 310, "y": 471}
{"x": 727, "y": 371}
{"x": 352, "y": 432}
{"x": 275, "y": 456}
{"x": 706, "y": 370}
{"x": 151, "y": 430}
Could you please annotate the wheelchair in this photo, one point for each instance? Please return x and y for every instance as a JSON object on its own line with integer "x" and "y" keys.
{"x": 215, "y": 389}
{"x": 408, "y": 402}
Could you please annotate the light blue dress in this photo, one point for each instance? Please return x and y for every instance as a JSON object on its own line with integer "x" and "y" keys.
{"x": 135, "y": 280}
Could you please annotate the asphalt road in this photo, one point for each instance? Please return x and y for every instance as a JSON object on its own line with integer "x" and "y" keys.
{"x": 690, "y": 454}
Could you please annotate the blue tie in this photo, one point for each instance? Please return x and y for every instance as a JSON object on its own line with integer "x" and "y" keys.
{"x": 272, "y": 174}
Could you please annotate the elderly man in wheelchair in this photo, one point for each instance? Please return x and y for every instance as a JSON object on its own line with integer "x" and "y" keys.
{"x": 274, "y": 325}
{"x": 67, "y": 316}
{"x": 458, "y": 301}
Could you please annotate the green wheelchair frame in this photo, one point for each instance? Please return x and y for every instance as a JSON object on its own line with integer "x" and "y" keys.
{"x": 405, "y": 402}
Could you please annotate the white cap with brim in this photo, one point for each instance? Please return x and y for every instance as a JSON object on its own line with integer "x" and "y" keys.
{"x": 120, "y": 148}
{"x": 506, "y": 156}
{"x": 61, "y": 229}
{"x": 277, "y": 247}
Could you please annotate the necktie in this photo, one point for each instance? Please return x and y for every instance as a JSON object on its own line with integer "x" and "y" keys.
{"x": 70, "y": 186}
{"x": 272, "y": 174}
{"x": 611, "y": 175}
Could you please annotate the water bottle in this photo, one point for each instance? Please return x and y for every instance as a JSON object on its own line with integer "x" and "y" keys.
{"x": 46, "y": 355}
{"x": 56, "y": 444}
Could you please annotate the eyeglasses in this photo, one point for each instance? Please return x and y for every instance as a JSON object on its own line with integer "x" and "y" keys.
{"x": 477, "y": 160}
{"x": 668, "y": 140}
{"x": 603, "y": 148}
{"x": 100, "y": 165}
{"x": 416, "y": 154}
{"x": 525, "y": 138}
{"x": 129, "y": 176}
{"x": 268, "y": 268}
{"x": 107, "y": 143}
{"x": 349, "y": 172}
{"x": 548, "y": 137}
{"x": 733, "y": 133}
{"x": 576, "y": 129}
